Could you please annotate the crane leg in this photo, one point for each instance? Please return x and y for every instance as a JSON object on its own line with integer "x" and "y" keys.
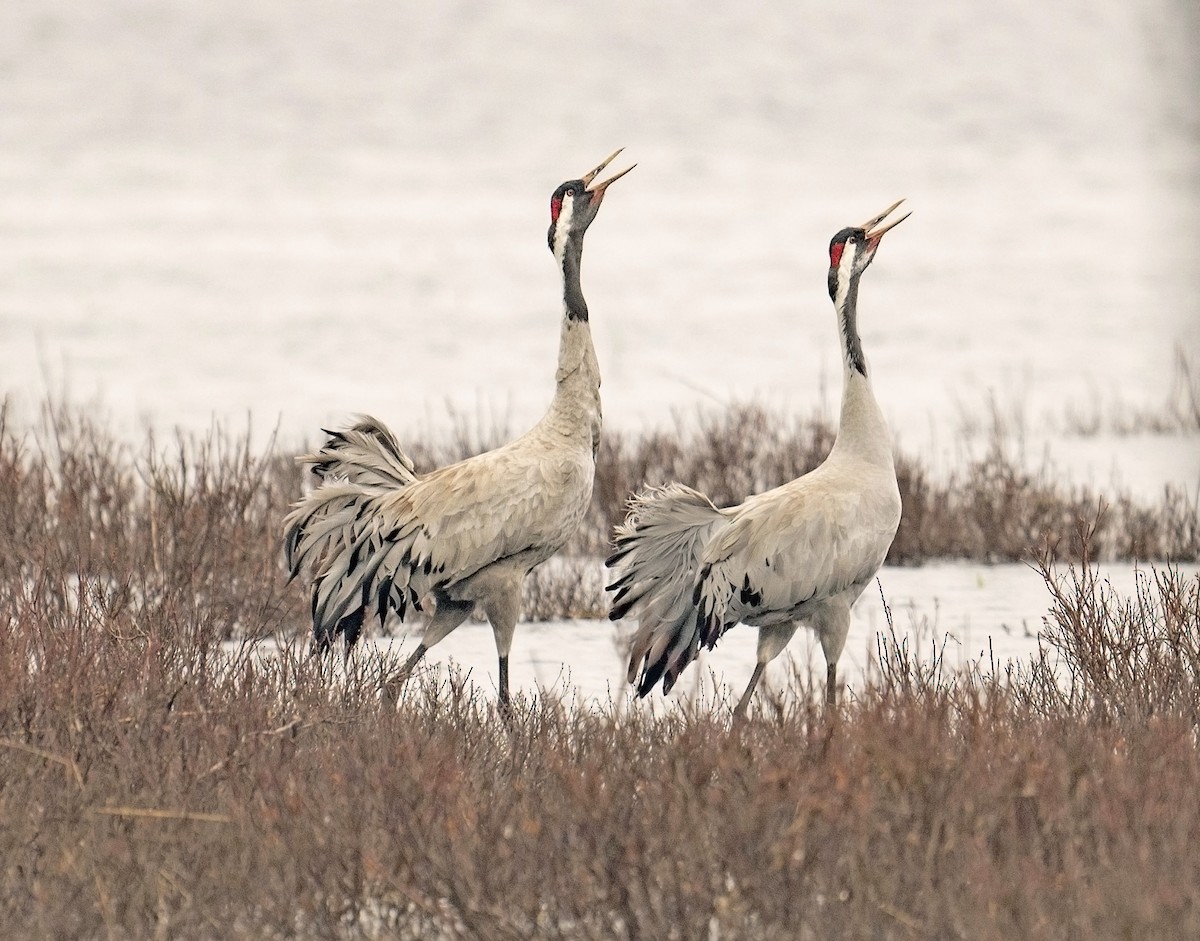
{"x": 502, "y": 702}
{"x": 391, "y": 685}
{"x": 446, "y": 617}
{"x": 502, "y": 609}
{"x": 411, "y": 663}
{"x": 832, "y": 624}
{"x": 739, "y": 711}
{"x": 772, "y": 639}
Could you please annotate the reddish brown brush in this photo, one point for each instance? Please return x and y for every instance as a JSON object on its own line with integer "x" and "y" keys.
{"x": 157, "y": 781}
{"x": 149, "y": 794}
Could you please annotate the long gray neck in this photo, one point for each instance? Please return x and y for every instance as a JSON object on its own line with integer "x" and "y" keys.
{"x": 575, "y": 410}
{"x": 847, "y": 310}
{"x": 571, "y": 261}
{"x": 862, "y": 430}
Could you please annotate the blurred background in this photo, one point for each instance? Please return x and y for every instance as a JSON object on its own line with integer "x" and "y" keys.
{"x": 285, "y": 212}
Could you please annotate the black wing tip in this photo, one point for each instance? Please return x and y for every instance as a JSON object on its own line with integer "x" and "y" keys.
{"x": 617, "y": 556}
{"x": 622, "y": 582}
{"x": 619, "y": 611}
{"x": 650, "y": 677}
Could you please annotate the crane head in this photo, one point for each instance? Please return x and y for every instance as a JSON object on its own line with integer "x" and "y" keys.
{"x": 853, "y": 248}
{"x": 575, "y": 203}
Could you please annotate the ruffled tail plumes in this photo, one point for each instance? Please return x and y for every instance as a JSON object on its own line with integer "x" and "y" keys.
{"x": 657, "y": 559}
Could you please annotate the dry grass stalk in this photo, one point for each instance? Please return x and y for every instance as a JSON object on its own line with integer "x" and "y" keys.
{"x": 155, "y": 782}
{"x": 935, "y": 804}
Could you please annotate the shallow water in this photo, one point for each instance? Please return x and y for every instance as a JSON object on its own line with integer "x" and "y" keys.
{"x": 966, "y": 614}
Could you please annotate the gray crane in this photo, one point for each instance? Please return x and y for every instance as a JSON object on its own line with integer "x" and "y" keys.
{"x": 798, "y": 554}
{"x": 375, "y": 536}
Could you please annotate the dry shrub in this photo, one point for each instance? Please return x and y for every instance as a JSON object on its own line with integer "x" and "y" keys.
{"x": 1179, "y": 414}
{"x": 190, "y": 531}
{"x": 565, "y": 586}
{"x": 149, "y": 795}
{"x": 1115, "y": 659}
{"x": 993, "y": 509}
{"x": 193, "y": 526}
{"x": 156, "y": 781}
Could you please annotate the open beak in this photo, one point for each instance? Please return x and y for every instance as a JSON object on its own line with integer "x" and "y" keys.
{"x": 873, "y": 234}
{"x": 597, "y": 191}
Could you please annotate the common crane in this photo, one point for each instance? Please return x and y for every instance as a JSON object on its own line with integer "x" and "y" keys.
{"x": 798, "y": 554}
{"x": 376, "y": 536}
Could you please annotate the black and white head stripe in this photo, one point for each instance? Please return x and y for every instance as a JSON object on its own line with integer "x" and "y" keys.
{"x": 562, "y": 211}
{"x": 849, "y": 254}
{"x": 841, "y": 261}
{"x": 573, "y": 206}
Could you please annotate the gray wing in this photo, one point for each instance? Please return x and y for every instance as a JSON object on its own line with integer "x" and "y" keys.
{"x": 785, "y": 548}
{"x": 392, "y": 546}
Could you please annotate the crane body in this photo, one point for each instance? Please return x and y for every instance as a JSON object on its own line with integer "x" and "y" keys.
{"x": 376, "y": 537}
{"x": 800, "y": 553}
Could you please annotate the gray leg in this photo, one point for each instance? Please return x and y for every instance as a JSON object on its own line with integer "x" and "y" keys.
{"x": 502, "y": 703}
{"x": 739, "y": 711}
{"x": 832, "y": 623}
{"x": 391, "y": 685}
{"x": 446, "y": 617}
{"x": 502, "y": 609}
{"x": 411, "y": 663}
{"x": 504, "y": 679}
{"x": 450, "y": 613}
{"x": 772, "y": 638}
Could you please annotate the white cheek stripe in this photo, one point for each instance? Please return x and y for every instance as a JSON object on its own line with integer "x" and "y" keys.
{"x": 563, "y": 225}
{"x": 845, "y": 269}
